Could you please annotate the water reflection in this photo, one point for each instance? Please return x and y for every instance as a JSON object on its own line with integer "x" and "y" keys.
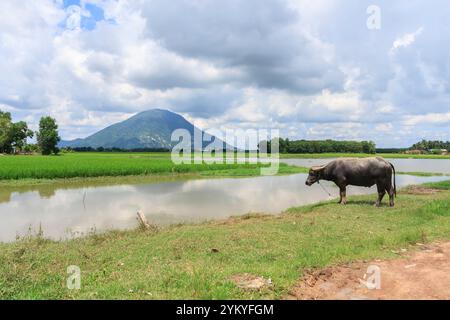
{"x": 74, "y": 210}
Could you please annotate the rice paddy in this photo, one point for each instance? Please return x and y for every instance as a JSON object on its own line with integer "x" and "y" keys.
{"x": 71, "y": 165}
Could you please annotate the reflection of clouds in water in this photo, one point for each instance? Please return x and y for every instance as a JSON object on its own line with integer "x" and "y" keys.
{"x": 61, "y": 212}
{"x": 164, "y": 203}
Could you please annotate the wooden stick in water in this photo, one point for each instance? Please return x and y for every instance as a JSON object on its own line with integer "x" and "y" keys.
{"x": 143, "y": 220}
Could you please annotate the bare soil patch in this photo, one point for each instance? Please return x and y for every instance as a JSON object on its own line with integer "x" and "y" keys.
{"x": 420, "y": 190}
{"x": 422, "y": 274}
{"x": 250, "y": 282}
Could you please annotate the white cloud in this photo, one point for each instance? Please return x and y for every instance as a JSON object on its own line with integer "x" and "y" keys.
{"x": 346, "y": 102}
{"x": 311, "y": 69}
{"x": 386, "y": 109}
{"x": 384, "y": 127}
{"x": 405, "y": 40}
{"x": 342, "y": 131}
{"x": 429, "y": 118}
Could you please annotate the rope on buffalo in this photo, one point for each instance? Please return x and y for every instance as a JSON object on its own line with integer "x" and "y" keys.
{"x": 329, "y": 194}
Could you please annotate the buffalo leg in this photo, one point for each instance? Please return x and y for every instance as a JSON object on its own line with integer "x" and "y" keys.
{"x": 381, "y": 191}
{"x": 390, "y": 191}
{"x": 343, "y": 194}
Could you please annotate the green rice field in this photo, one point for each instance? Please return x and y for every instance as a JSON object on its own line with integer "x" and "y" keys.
{"x": 70, "y": 165}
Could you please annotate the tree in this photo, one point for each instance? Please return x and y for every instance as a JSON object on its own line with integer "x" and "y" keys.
{"x": 30, "y": 148}
{"x": 426, "y": 145}
{"x": 18, "y": 135}
{"x": 5, "y": 128}
{"x": 13, "y": 135}
{"x": 323, "y": 146}
{"x": 47, "y": 136}
{"x": 368, "y": 147}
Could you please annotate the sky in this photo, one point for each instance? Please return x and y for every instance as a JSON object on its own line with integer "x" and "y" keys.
{"x": 339, "y": 69}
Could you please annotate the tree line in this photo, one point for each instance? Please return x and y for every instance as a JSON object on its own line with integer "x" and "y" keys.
{"x": 426, "y": 145}
{"x": 323, "y": 146}
{"x": 14, "y": 136}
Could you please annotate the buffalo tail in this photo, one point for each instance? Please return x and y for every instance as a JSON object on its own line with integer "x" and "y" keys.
{"x": 395, "y": 187}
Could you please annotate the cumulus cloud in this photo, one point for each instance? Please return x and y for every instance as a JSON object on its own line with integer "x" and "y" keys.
{"x": 429, "y": 118}
{"x": 405, "y": 40}
{"x": 384, "y": 127}
{"x": 312, "y": 69}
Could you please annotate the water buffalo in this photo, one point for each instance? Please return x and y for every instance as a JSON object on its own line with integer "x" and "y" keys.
{"x": 363, "y": 172}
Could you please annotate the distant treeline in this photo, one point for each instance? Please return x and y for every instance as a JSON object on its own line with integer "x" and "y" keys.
{"x": 391, "y": 150}
{"x": 101, "y": 149}
{"x": 430, "y": 145}
{"x": 324, "y": 146}
{"x": 303, "y": 146}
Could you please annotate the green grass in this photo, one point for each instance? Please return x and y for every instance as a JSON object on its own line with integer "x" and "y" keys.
{"x": 424, "y": 174}
{"x": 444, "y": 185}
{"x": 27, "y": 184}
{"x": 72, "y": 165}
{"x": 177, "y": 262}
{"x": 283, "y": 169}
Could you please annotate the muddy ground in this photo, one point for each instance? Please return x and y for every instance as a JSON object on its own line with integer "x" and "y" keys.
{"x": 421, "y": 274}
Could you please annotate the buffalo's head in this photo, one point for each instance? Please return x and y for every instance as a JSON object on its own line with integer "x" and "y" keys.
{"x": 314, "y": 175}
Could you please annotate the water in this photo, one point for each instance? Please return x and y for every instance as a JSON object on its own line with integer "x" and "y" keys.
{"x": 73, "y": 211}
{"x": 401, "y": 165}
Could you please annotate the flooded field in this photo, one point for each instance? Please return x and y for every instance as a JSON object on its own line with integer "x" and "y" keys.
{"x": 63, "y": 212}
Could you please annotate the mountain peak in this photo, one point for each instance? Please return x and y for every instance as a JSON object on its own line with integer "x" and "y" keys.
{"x": 150, "y": 129}
{"x": 155, "y": 111}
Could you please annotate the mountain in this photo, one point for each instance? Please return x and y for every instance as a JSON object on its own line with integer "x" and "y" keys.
{"x": 148, "y": 129}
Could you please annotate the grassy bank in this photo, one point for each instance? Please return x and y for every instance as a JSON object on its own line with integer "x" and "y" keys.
{"x": 179, "y": 262}
{"x": 444, "y": 185}
{"x": 424, "y": 174}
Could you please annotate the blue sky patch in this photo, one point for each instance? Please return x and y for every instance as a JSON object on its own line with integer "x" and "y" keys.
{"x": 68, "y": 3}
{"x": 95, "y": 14}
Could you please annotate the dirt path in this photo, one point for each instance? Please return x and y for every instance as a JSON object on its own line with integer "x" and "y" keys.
{"x": 422, "y": 274}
